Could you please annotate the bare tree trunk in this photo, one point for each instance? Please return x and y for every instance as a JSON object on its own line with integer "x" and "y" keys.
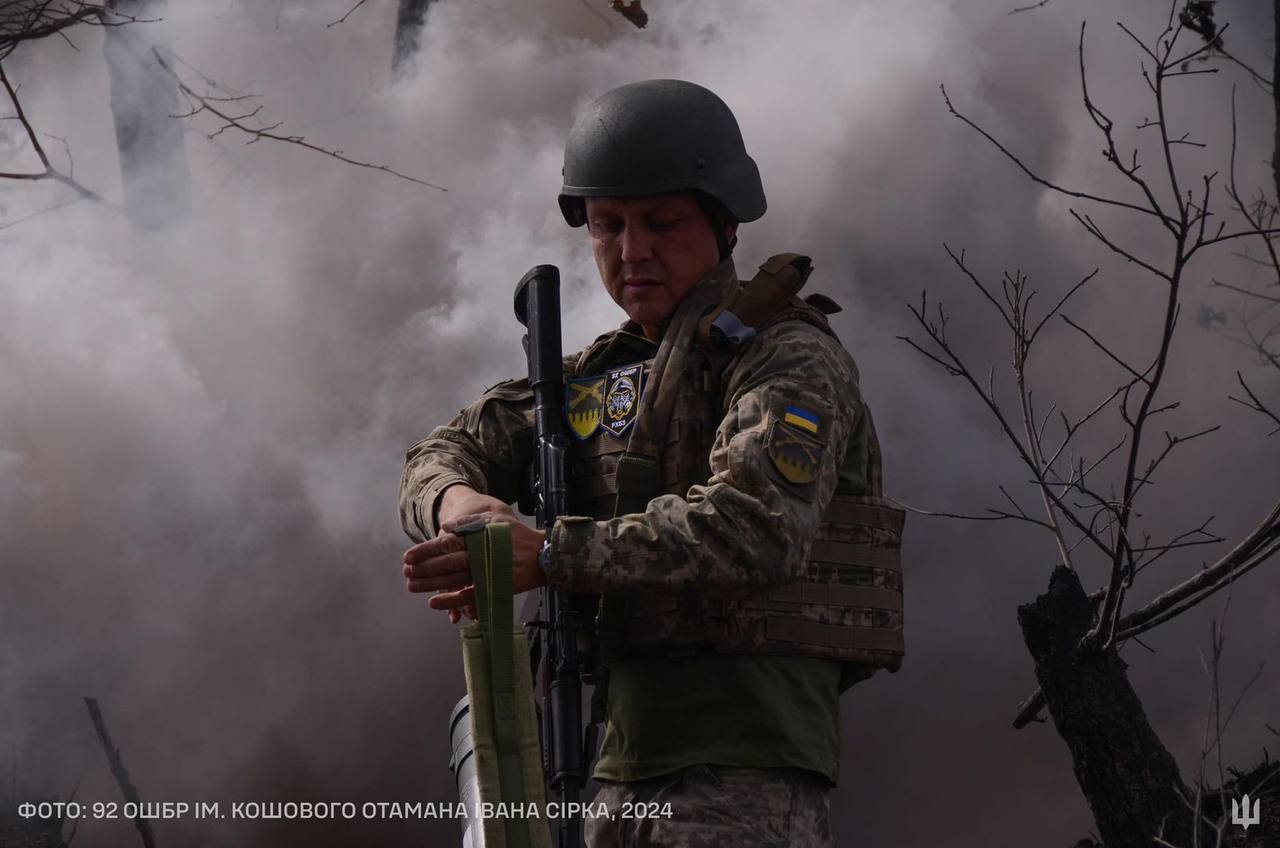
{"x": 409, "y": 22}
{"x": 144, "y": 101}
{"x": 1127, "y": 775}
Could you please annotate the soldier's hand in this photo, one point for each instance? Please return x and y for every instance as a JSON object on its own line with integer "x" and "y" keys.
{"x": 441, "y": 565}
{"x": 460, "y": 499}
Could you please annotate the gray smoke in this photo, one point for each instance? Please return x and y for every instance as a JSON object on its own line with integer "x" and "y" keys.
{"x": 202, "y": 430}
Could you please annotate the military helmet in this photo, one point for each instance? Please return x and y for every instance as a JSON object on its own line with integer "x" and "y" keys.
{"x": 656, "y": 136}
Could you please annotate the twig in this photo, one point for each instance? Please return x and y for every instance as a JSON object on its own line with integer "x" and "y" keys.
{"x": 216, "y": 106}
{"x": 1261, "y": 544}
{"x": 1256, "y": 405}
{"x": 1032, "y": 174}
{"x": 1028, "y": 8}
{"x": 996, "y": 515}
{"x": 49, "y": 172}
{"x": 956, "y": 367}
{"x": 350, "y": 11}
{"x": 1254, "y": 294}
{"x": 16, "y": 221}
{"x": 32, "y": 20}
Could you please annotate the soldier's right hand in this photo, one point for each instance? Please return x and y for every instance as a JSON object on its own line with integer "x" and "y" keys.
{"x": 456, "y": 501}
{"x": 460, "y": 499}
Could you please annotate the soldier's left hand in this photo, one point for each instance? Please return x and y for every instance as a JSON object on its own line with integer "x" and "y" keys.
{"x": 440, "y": 565}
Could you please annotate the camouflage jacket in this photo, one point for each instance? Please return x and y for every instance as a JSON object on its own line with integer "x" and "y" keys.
{"x": 759, "y": 445}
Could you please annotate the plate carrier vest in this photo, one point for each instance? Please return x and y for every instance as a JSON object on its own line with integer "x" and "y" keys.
{"x": 848, "y": 604}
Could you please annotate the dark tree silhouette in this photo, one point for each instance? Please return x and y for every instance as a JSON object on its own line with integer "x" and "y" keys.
{"x": 1090, "y": 505}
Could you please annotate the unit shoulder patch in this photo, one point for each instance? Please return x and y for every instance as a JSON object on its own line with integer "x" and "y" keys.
{"x": 583, "y": 405}
{"x": 805, "y": 419}
{"x": 608, "y": 401}
{"x": 622, "y": 397}
{"x": 795, "y": 453}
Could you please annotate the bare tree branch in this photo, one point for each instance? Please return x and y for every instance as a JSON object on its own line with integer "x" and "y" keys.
{"x": 1034, "y": 176}
{"x": 349, "y": 13}
{"x": 1256, "y": 548}
{"x": 222, "y": 108}
{"x": 1255, "y": 404}
{"x": 996, "y": 515}
{"x": 1248, "y": 292}
{"x": 32, "y": 20}
{"x": 55, "y": 207}
{"x": 1033, "y": 6}
{"x": 49, "y": 172}
{"x": 950, "y": 361}
{"x": 121, "y": 774}
{"x": 1108, "y": 520}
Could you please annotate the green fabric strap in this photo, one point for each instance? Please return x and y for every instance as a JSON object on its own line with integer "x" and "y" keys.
{"x": 489, "y": 553}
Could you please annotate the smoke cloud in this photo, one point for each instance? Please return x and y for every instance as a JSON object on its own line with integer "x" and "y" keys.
{"x": 202, "y": 427}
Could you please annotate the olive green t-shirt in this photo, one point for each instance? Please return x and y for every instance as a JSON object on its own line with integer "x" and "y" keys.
{"x": 736, "y": 710}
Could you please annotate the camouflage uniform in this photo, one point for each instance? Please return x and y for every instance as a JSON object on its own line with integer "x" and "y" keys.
{"x": 757, "y": 447}
{"x": 715, "y": 806}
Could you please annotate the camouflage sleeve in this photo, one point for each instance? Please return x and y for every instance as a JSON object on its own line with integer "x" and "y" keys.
{"x": 792, "y": 401}
{"x": 485, "y": 446}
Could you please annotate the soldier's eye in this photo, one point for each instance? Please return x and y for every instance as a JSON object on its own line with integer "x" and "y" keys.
{"x": 606, "y": 227}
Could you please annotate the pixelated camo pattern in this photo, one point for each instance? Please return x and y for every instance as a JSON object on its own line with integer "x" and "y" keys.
{"x": 714, "y": 806}
{"x": 730, "y": 528}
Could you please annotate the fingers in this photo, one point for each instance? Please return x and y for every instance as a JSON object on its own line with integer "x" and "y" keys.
{"x": 455, "y": 614}
{"x": 418, "y": 585}
{"x": 444, "y": 565}
{"x": 441, "y": 565}
{"x": 455, "y": 600}
{"x": 445, "y": 543}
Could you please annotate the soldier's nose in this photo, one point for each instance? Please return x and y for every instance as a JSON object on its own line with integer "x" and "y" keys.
{"x": 637, "y": 246}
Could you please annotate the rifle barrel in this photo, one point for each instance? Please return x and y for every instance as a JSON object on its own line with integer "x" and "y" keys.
{"x": 537, "y": 306}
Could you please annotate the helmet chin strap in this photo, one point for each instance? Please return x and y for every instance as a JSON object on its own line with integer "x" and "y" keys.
{"x": 716, "y": 217}
{"x": 725, "y": 245}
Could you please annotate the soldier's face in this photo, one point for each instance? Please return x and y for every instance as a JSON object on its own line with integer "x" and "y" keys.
{"x": 650, "y": 251}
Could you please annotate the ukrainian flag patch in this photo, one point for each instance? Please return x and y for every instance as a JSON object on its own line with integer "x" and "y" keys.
{"x": 802, "y": 418}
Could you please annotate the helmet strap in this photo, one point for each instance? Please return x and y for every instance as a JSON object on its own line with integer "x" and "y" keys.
{"x": 718, "y": 218}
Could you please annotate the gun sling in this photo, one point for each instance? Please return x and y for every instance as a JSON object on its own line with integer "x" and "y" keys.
{"x": 508, "y": 756}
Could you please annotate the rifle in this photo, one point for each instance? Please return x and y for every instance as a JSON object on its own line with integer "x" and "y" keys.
{"x": 537, "y": 306}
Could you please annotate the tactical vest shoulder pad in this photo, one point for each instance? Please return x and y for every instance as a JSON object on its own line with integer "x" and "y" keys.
{"x": 768, "y": 296}
{"x": 822, "y": 303}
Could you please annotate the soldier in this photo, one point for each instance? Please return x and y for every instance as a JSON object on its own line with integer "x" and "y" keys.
{"x": 725, "y": 488}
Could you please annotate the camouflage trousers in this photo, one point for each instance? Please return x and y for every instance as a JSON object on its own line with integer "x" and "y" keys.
{"x": 712, "y": 807}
